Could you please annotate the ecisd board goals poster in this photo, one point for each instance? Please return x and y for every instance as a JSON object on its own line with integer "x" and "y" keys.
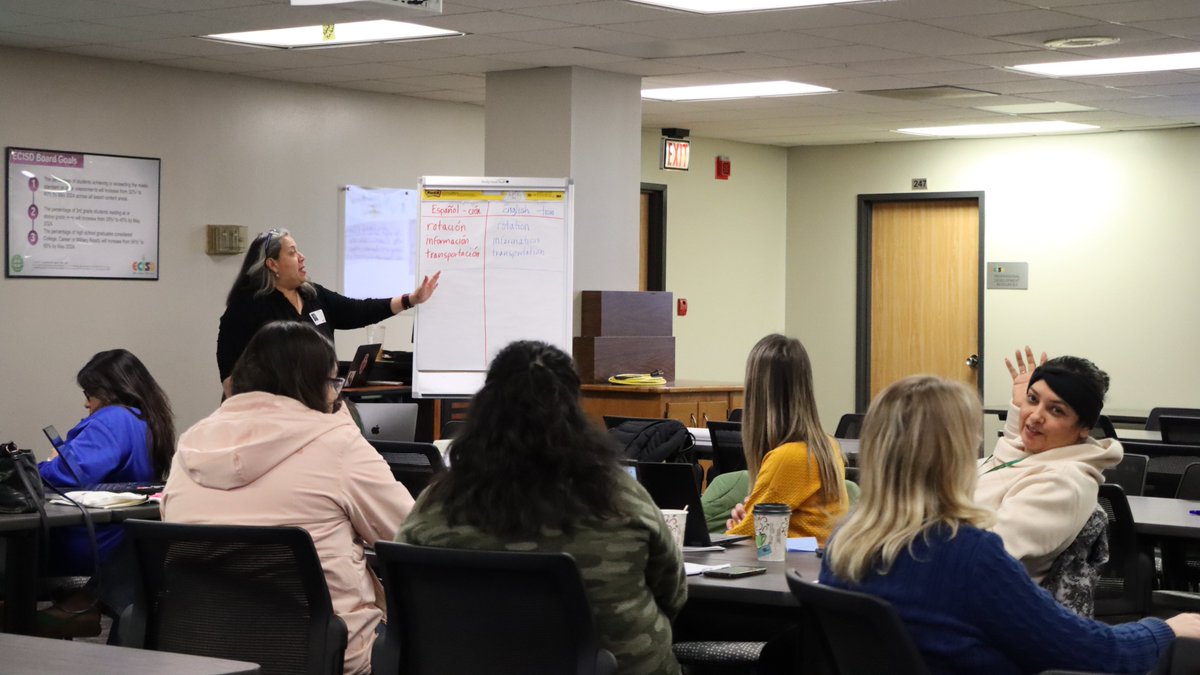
{"x": 80, "y": 215}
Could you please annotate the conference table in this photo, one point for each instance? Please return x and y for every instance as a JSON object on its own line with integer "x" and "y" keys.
{"x": 769, "y": 589}
{"x": 27, "y": 655}
{"x": 22, "y": 536}
{"x": 1165, "y": 517}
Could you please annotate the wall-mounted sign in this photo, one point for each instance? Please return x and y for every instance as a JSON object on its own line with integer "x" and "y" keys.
{"x": 1008, "y": 275}
{"x": 72, "y": 214}
{"x": 675, "y": 154}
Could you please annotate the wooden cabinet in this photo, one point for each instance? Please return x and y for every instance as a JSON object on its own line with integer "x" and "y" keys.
{"x": 689, "y": 402}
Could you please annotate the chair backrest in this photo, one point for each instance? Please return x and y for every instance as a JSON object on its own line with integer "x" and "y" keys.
{"x": 1185, "y": 430}
{"x": 861, "y": 633}
{"x": 1103, "y": 428}
{"x": 413, "y": 464}
{"x": 1130, "y": 474}
{"x": 1124, "y": 586}
{"x": 735, "y": 415}
{"x": 1189, "y": 484}
{"x": 1156, "y": 414}
{"x": 850, "y": 426}
{"x": 482, "y": 612}
{"x": 726, "y": 439}
{"x": 253, "y": 594}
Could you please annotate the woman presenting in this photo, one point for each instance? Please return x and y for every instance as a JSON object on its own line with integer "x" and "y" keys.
{"x": 273, "y": 286}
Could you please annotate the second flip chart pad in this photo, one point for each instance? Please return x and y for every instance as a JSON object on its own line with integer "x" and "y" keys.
{"x": 504, "y": 250}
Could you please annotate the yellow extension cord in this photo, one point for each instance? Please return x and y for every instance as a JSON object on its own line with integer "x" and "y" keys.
{"x": 639, "y": 379}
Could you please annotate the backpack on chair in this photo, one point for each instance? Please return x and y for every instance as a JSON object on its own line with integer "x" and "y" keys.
{"x": 655, "y": 441}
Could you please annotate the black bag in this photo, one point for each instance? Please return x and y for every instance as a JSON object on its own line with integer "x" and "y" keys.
{"x": 655, "y": 441}
{"x": 20, "y": 482}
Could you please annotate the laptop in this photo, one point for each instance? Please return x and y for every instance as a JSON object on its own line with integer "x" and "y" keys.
{"x": 361, "y": 364}
{"x": 672, "y": 485}
{"x": 631, "y": 467}
{"x": 387, "y": 421}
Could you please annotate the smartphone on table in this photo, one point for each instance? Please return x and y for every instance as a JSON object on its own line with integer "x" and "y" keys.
{"x": 734, "y": 572}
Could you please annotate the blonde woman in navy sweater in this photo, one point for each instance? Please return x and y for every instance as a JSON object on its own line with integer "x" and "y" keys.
{"x": 916, "y": 539}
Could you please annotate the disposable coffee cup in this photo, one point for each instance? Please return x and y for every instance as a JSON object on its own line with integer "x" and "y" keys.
{"x": 376, "y": 332}
{"x": 676, "y": 521}
{"x": 771, "y": 531}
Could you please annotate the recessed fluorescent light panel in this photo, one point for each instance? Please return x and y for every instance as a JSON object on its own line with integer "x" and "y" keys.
{"x": 1035, "y": 108}
{"x": 1002, "y": 129}
{"x": 335, "y": 35}
{"x": 733, "y": 6}
{"x": 1117, "y": 66}
{"x": 716, "y": 92}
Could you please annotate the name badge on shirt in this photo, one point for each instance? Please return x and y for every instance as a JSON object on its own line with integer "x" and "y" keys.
{"x": 318, "y": 317}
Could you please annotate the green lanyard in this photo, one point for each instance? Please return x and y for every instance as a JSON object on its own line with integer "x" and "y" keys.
{"x": 1002, "y": 466}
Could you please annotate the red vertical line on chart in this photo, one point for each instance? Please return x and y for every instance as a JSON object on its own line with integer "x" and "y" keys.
{"x": 486, "y": 221}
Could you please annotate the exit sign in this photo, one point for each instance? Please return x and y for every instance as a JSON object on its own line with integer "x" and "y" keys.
{"x": 675, "y": 154}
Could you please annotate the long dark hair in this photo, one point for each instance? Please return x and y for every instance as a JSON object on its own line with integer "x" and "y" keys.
{"x": 255, "y": 277}
{"x": 528, "y": 457}
{"x": 287, "y": 358}
{"x": 117, "y": 377}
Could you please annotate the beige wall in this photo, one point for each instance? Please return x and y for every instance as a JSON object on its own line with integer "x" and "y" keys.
{"x": 725, "y": 252}
{"x": 238, "y": 150}
{"x": 1107, "y": 223}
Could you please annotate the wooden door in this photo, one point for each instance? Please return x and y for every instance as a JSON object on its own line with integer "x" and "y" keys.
{"x": 924, "y": 304}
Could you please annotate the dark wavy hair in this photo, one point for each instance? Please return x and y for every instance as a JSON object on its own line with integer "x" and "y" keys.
{"x": 528, "y": 457}
{"x": 117, "y": 377}
{"x": 287, "y": 358}
{"x": 255, "y": 277}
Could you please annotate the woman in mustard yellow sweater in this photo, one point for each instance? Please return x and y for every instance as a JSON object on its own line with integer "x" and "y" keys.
{"x": 789, "y": 457}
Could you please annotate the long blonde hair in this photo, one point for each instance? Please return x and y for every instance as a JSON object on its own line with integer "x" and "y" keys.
{"x": 917, "y": 470}
{"x": 781, "y": 408}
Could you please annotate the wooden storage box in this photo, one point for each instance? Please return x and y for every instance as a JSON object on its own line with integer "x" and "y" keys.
{"x": 599, "y": 358}
{"x": 625, "y": 313}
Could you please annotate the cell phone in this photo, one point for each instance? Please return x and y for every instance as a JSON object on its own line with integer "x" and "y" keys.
{"x": 735, "y": 572}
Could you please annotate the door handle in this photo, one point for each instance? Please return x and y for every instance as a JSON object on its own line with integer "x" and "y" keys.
{"x": 973, "y": 361}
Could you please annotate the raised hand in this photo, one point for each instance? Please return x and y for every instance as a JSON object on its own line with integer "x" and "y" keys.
{"x": 1021, "y": 372}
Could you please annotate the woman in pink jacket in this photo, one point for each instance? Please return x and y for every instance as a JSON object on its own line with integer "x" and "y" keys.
{"x": 281, "y": 451}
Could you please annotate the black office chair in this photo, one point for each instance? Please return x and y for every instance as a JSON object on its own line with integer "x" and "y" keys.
{"x": 861, "y": 633}
{"x": 483, "y": 612}
{"x": 1130, "y": 474}
{"x": 413, "y": 464}
{"x": 1103, "y": 428}
{"x": 452, "y": 428}
{"x": 1156, "y": 414}
{"x": 1189, "y": 483}
{"x": 849, "y": 426}
{"x": 727, "y": 454}
{"x": 1180, "y": 430}
{"x": 735, "y": 415}
{"x": 253, "y": 594}
{"x": 1123, "y": 592}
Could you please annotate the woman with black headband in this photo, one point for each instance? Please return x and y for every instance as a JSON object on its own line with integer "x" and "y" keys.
{"x": 1045, "y": 473}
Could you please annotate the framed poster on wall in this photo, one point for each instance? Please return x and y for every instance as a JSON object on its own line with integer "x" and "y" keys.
{"x": 81, "y": 215}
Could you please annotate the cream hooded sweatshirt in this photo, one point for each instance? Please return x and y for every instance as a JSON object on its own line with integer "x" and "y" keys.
{"x": 1042, "y": 500}
{"x": 263, "y": 459}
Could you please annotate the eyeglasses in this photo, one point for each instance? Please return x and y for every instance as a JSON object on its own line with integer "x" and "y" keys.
{"x": 337, "y": 383}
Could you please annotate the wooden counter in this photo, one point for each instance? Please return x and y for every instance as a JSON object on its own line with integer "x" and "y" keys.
{"x": 690, "y": 402}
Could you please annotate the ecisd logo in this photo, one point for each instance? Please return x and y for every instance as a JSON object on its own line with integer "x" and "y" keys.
{"x": 16, "y": 263}
{"x": 143, "y": 266}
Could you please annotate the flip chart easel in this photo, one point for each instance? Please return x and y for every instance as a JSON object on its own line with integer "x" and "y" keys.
{"x": 504, "y": 248}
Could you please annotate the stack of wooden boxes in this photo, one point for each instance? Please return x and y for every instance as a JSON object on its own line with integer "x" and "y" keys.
{"x": 625, "y": 332}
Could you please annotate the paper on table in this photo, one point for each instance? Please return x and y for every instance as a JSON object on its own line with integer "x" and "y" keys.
{"x": 703, "y": 549}
{"x": 692, "y": 569}
{"x": 802, "y": 544}
{"x": 103, "y": 500}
